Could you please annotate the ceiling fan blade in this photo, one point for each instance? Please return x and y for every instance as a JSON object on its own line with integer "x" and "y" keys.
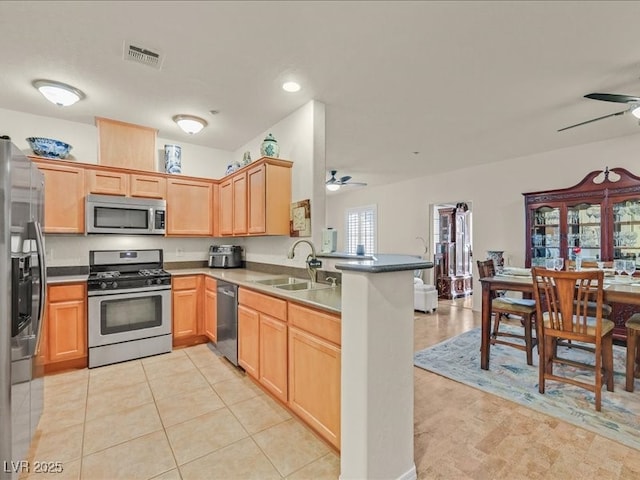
{"x": 594, "y": 120}
{"x": 345, "y": 179}
{"x": 362, "y": 184}
{"x": 612, "y": 97}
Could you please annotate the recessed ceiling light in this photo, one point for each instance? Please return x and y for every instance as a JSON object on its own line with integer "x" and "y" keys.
{"x": 59, "y": 93}
{"x": 189, "y": 123}
{"x": 291, "y": 87}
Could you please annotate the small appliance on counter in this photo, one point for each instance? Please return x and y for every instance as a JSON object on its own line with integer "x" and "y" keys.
{"x": 329, "y": 240}
{"x": 225, "y": 256}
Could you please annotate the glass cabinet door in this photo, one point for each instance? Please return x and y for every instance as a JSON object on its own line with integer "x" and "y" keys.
{"x": 626, "y": 225}
{"x": 584, "y": 230}
{"x": 545, "y": 235}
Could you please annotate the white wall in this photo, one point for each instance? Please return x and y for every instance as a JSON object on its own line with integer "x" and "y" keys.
{"x": 197, "y": 161}
{"x": 495, "y": 191}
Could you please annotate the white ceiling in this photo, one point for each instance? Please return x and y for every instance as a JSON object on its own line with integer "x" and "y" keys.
{"x": 462, "y": 83}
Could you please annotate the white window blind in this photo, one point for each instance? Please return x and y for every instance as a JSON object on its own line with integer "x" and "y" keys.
{"x": 361, "y": 229}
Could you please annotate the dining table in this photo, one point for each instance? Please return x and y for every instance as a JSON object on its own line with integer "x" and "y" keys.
{"x": 616, "y": 290}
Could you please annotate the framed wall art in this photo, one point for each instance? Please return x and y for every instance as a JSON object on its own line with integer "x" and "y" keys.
{"x": 300, "y": 219}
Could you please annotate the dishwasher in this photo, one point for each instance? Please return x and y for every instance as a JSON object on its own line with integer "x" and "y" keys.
{"x": 227, "y": 312}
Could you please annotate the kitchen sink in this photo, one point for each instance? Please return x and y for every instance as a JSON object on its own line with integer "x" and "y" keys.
{"x": 302, "y": 286}
{"x": 281, "y": 281}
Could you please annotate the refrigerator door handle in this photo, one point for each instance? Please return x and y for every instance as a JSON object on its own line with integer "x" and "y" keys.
{"x": 37, "y": 228}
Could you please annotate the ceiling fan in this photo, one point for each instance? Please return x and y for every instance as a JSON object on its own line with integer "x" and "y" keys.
{"x": 334, "y": 183}
{"x": 632, "y": 102}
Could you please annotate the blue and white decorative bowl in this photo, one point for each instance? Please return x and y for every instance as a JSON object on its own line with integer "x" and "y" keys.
{"x": 49, "y": 147}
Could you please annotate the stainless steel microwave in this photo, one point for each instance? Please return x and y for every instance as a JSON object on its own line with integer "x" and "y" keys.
{"x": 125, "y": 215}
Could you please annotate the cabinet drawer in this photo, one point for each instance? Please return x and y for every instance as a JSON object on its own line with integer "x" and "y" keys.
{"x": 275, "y": 307}
{"x": 184, "y": 283}
{"x": 319, "y": 323}
{"x": 63, "y": 293}
{"x": 210, "y": 283}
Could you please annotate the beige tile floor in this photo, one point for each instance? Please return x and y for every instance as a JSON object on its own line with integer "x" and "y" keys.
{"x": 190, "y": 414}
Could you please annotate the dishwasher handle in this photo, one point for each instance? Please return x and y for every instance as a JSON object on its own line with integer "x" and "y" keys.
{"x": 229, "y": 293}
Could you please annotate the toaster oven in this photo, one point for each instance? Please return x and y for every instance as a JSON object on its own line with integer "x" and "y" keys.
{"x": 225, "y": 256}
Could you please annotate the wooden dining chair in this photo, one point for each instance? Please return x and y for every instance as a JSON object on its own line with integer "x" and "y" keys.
{"x": 562, "y": 302}
{"x": 503, "y": 306}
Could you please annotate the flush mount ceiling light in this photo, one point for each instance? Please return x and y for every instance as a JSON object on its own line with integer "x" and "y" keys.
{"x": 189, "y": 123}
{"x": 291, "y": 87}
{"x": 59, "y": 93}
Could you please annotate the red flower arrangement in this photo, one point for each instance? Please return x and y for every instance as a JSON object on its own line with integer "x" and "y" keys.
{"x": 577, "y": 250}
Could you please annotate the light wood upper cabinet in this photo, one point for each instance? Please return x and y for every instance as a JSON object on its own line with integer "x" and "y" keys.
{"x": 66, "y": 323}
{"x": 240, "y": 204}
{"x": 257, "y": 199}
{"x": 269, "y": 198}
{"x": 107, "y": 182}
{"x": 189, "y": 207}
{"x": 148, "y": 186}
{"x": 63, "y": 197}
{"x": 226, "y": 207}
{"x": 126, "y": 145}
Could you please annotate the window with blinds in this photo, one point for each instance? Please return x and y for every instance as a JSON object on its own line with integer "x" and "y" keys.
{"x": 361, "y": 229}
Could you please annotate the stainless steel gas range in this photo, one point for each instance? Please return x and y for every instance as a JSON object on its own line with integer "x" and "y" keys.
{"x": 129, "y": 305}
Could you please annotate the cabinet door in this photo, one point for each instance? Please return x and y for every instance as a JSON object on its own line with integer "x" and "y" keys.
{"x": 248, "y": 340}
{"x": 126, "y": 145}
{"x": 314, "y": 383}
{"x": 546, "y": 234}
{"x": 107, "y": 182}
{"x": 63, "y": 198}
{"x": 66, "y": 323}
{"x": 148, "y": 186}
{"x": 189, "y": 205}
{"x": 185, "y": 313}
{"x": 257, "y": 199}
{"x": 240, "y": 204}
{"x": 273, "y": 356}
{"x": 584, "y": 231}
{"x": 226, "y": 207}
{"x": 210, "y": 309}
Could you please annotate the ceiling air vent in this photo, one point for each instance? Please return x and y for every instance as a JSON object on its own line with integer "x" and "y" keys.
{"x": 142, "y": 55}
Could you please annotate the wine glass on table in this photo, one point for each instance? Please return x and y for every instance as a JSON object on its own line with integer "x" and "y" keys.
{"x": 618, "y": 266}
{"x": 630, "y": 267}
{"x": 558, "y": 263}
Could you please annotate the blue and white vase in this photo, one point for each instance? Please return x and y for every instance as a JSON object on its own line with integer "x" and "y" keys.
{"x": 270, "y": 147}
{"x": 172, "y": 159}
{"x": 498, "y": 259}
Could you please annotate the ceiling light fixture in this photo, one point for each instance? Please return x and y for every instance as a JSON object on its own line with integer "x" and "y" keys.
{"x": 59, "y": 93}
{"x": 332, "y": 187}
{"x": 291, "y": 87}
{"x": 635, "y": 110}
{"x": 189, "y": 123}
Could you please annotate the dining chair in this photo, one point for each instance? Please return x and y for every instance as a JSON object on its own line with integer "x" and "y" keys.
{"x": 504, "y": 306}
{"x": 563, "y": 314}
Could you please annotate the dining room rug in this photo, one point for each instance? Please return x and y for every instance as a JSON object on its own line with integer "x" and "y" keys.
{"x": 510, "y": 377}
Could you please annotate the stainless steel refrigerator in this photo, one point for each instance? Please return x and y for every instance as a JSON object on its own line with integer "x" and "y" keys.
{"x": 22, "y": 300}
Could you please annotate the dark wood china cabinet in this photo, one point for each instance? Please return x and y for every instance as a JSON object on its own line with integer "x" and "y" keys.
{"x": 601, "y": 215}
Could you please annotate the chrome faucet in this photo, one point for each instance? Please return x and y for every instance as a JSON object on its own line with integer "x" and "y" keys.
{"x": 312, "y": 261}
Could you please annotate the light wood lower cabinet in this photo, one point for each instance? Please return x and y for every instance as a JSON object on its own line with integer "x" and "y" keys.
{"x": 65, "y": 328}
{"x": 273, "y": 356}
{"x": 314, "y": 370}
{"x": 185, "y": 307}
{"x": 249, "y": 340}
{"x": 210, "y": 309}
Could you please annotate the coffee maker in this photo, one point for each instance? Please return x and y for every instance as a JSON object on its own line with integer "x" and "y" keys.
{"x": 225, "y": 256}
